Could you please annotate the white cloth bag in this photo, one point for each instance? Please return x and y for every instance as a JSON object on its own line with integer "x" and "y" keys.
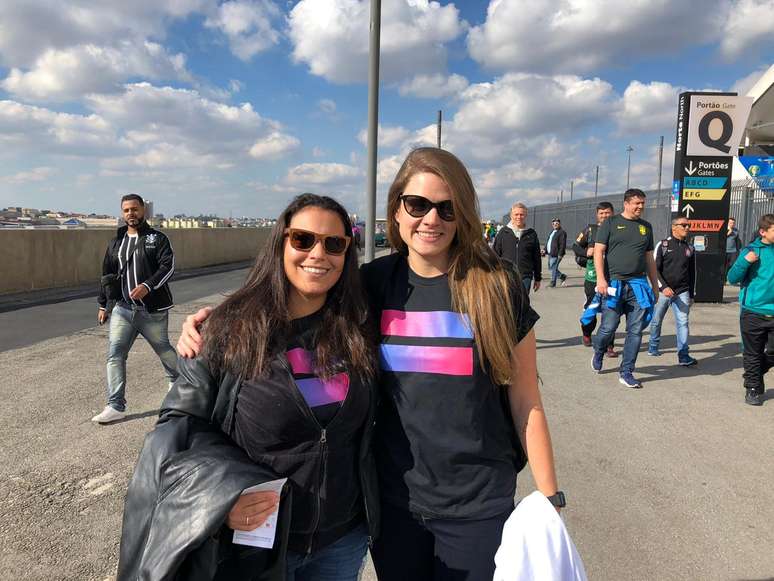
{"x": 536, "y": 545}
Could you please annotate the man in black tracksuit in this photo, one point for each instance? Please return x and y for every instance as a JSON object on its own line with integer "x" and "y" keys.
{"x": 144, "y": 260}
{"x": 676, "y": 271}
{"x": 520, "y": 245}
{"x": 556, "y": 246}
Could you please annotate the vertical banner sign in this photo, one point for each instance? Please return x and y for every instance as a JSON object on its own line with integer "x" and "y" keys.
{"x": 709, "y": 129}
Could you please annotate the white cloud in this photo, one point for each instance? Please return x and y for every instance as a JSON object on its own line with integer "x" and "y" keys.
{"x": 235, "y": 86}
{"x": 331, "y": 37}
{"x": 62, "y": 75}
{"x": 387, "y": 136}
{"x": 37, "y": 174}
{"x": 435, "y": 86}
{"x": 323, "y": 174}
{"x": 155, "y": 115}
{"x": 526, "y": 105}
{"x": 274, "y": 146}
{"x": 749, "y": 28}
{"x": 32, "y": 27}
{"x": 650, "y": 108}
{"x": 581, "y": 35}
{"x": 25, "y": 128}
{"x": 327, "y": 106}
{"x": 248, "y": 25}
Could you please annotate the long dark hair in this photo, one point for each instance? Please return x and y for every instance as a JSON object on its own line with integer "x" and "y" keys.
{"x": 252, "y": 325}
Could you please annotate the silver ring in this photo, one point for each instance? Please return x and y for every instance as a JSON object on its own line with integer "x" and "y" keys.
{"x": 247, "y": 520}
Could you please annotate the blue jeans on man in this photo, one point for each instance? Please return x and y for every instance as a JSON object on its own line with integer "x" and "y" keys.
{"x": 125, "y": 325}
{"x": 527, "y": 282}
{"x": 629, "y": 306}
{"x": 681, "y": 306}
{"x": 553, "y": 265}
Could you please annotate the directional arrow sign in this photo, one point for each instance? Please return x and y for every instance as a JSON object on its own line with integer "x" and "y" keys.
{"x": 688, "y": 209}
{"x": 690, "y": 170}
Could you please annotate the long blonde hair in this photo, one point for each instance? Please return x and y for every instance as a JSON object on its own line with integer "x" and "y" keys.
{"x": 480, "y": 285}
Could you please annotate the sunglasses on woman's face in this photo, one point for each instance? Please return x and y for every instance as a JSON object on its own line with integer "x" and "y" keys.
{"x": 304, "y": 240}
{"x": 417, "y": 206}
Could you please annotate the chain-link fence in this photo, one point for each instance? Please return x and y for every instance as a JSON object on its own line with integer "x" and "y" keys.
{"x": 748, "y": 203}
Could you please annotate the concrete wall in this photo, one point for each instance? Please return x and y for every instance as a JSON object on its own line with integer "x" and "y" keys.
{"x": 41, "y": 259}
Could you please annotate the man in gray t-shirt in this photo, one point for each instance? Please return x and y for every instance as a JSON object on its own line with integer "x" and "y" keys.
{"x": 623, "y": 252}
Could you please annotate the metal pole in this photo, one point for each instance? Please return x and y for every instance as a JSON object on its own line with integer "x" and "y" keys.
{"x": 596, "y": 183}
{"x": 561, "y": 196}
{"x": 373, "y": 125}
{"x": 660, "y": 160}
{"x": 629, "y": 150}
{"x": 440, "y": 118}
{"x": 572, "y": 185}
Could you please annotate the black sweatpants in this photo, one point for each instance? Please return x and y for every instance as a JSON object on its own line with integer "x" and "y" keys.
{"x": 758, "y": 344}
{"x": 413, "y": 548}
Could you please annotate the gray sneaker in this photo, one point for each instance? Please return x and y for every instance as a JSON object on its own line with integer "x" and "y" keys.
{"x": 108, "y": 415}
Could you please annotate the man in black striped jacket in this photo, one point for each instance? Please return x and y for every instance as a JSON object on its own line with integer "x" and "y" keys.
{"x": 144, "y": 259}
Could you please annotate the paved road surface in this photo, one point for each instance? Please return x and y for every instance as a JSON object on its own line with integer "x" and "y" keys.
{"x": 669, "y": 482}
{"x": 56, "y": 320}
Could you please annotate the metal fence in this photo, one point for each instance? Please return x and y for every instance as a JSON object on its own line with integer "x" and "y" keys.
{"x": 748, "y": 203}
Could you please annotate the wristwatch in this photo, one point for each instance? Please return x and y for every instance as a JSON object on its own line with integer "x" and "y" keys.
{"x": 558, "y": 499}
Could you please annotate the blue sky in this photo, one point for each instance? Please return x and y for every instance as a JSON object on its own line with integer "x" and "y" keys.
{"x": 234, "y": 107}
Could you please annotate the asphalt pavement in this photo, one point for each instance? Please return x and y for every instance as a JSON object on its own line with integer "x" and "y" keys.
{"x": 668, "y": 482}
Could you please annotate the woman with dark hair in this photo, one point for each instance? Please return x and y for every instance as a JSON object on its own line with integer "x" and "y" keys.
{"x": 290, "y": 359}
{"x": 460, "y": 409}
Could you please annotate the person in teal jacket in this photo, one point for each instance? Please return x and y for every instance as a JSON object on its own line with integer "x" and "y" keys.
{"x": 754, "y": 271}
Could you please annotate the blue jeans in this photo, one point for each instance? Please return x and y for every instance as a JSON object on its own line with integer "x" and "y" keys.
{"x": 553, "y": 266}
{"x": 527, "y": 282}
{"x": 341, "y": 561}
{"x": 629, "y": 306}
{"x": 125, "y": 325}
{"x": 681, "y": 306}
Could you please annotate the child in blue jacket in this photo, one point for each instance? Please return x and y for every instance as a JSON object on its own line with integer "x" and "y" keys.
{"x": 754, "y": 270}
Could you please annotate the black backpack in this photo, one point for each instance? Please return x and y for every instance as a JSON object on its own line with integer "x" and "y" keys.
{"x": 579, "y": 248}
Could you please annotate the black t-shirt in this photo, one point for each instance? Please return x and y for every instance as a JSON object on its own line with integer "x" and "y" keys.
{"x": 445, "y": 444}
{"x": 627, "y": 243}
{"x": 324, "y": 397}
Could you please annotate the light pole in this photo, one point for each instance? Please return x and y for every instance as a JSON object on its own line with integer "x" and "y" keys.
{"x": 373, "y": 125}
{"x": 596, "y": 183}
{"x": 629, "y": 150}
{"x": 440, "y": 119}
{"x": 660, "y": 161}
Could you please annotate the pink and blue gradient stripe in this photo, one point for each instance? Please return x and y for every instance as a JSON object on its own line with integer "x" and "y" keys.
{"x": 316, "y": 391}
{"x": 425, "y": 324}
{"x": 426, "y": 359}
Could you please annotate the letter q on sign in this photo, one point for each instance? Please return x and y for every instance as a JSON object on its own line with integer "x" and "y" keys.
{"x": 727, "y": 124}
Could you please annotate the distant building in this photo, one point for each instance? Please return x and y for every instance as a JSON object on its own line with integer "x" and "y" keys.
{"x": 149, "y": 215}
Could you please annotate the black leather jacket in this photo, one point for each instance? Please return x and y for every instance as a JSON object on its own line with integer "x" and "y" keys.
{"x": 187, "y": 479}
{"x": 155, "y": 262}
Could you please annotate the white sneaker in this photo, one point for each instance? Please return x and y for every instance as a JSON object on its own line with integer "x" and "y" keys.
{"x": 108, "y": 415}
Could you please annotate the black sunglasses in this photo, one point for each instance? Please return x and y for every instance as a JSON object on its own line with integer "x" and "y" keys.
{"x": 686, "y": 225}
{"x": 304, "y": 240}
{"x": 417, "y": 206}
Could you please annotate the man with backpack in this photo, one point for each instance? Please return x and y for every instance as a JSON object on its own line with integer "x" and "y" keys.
{"x": 520, "y": 245}
{"x": 583, "y": 247}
